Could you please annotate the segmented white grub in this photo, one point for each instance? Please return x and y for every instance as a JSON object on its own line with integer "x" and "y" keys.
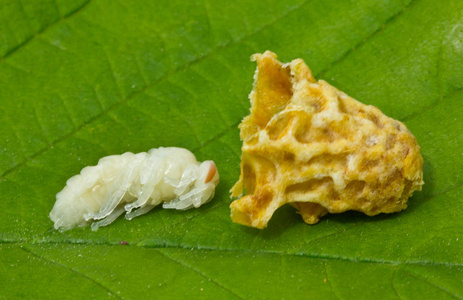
{"x": 134, "y": 183}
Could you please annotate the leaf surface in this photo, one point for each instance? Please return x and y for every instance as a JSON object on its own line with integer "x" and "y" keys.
{"x": 80, "y": 80}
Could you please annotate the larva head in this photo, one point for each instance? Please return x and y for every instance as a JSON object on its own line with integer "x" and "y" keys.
{"x": 208, "y": 178}
{"x": 207, "y": 174}
{"x": 201, "y": 192}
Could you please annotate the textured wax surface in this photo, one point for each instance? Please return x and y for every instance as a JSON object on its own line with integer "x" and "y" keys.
{"x": 311, "y": 145}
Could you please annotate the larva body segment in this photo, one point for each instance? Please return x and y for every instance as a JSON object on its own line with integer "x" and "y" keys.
{"x": 134, "y": 184}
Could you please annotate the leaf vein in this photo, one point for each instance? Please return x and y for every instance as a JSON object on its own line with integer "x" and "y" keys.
{"x": 393, "y": 285}
{"x": 28, "y": 18}
{"x": 140, "y": 70}
{"x": 16, "y": 134}
{"x": 66, "y": 109}
{"x": 184, "y": 265}
{"x": 28, "y": 40}
{"x": 55, "y": 2}
{"x": 255, "y": 251}
{"x": 388, "y": 22}
{"x": 214, "y": 103}
{"x": 69, "y": 269}
{"x": 232, "y": 72}
{"x": 329, "y": 281}
{"x": 208, "y": 17}
{"x": 97, "y": 97}
{"x": 182, "y": 116}
{"x": 430, "y": 107}
{"x": 220, "y": 135}
{"x": 116, "y": 82}
{"x": 435, "y": 285}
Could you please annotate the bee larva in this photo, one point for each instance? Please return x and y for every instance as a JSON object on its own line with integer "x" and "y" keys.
{"x": 134, "y": 183}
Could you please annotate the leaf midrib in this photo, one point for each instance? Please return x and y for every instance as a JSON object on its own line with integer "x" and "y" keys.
{"x": 426, "y": 263}
{"x": 230, "y": 290}
{"x": 189, "y": 247}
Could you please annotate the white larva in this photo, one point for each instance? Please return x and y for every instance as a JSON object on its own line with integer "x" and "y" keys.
{"x": 134, "y": 183}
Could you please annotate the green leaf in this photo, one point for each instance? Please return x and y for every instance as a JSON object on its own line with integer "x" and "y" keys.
{"x": 80, "y": 80}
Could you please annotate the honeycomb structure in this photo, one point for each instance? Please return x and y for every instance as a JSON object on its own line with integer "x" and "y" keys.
{"x": 308, "y": 144}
